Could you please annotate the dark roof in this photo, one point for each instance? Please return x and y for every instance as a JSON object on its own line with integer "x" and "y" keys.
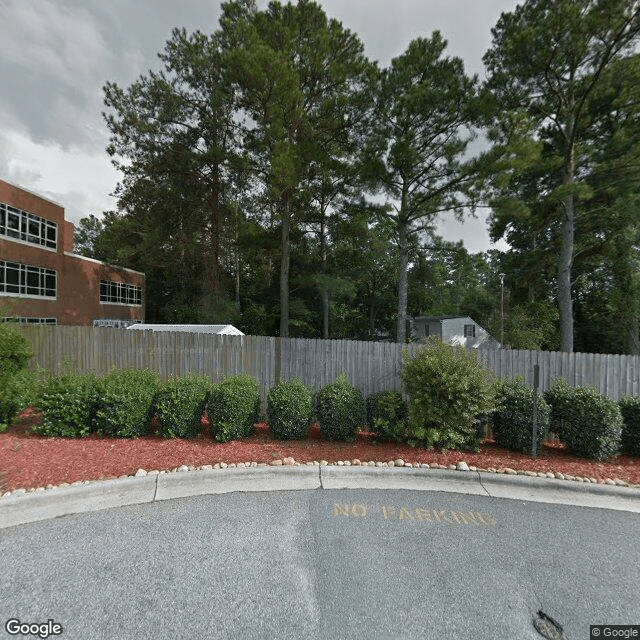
{"x": 438, "y": 318}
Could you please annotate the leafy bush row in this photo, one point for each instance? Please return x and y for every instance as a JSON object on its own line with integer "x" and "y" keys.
{"x": 123, "y": 403}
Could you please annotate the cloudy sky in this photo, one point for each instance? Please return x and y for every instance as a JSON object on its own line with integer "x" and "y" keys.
{"x": 56, "y": 56}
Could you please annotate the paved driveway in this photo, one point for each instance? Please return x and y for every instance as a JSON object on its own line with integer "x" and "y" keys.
{"x": 317, "y": 564}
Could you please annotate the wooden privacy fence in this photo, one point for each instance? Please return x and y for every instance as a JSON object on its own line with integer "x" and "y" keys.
{"x": 370, "y": 366}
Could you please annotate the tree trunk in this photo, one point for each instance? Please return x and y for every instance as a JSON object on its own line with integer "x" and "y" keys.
{"x": 325, "y": 314}
{"x": 212, "y": 262}
{"x": 633, "y": 337}
{"x": 324, "y": 293}
{"x": 565, "y": 304}
{"x": 284, "y": 271}
{"x": 402, "y": 283}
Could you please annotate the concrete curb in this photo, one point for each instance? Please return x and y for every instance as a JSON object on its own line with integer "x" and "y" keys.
{"x": 22, "y": 508}
{"x": 206, "y": 481}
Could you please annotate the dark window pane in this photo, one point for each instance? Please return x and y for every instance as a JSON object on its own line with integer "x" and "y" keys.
{"x": 12, "y": 274}
{"x": 33, "y": 281}
{"x": 51, "y": 235}
{"x": 50, "y": 283}
{"x": 13, "y": 224}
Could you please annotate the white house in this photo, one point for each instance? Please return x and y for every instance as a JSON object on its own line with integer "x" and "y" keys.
{"x": 220, "y": 329}
{"x": 456, "y": 330}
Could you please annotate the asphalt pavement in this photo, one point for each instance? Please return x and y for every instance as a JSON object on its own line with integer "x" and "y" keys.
{"x": 319, "y": 552}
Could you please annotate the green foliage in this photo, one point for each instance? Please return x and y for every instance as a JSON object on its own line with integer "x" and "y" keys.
{"x": 289, "y": 410}
{"x": 234, "y": 407}
{"x": 341, "y": 410}
{"x": 180, "y": 404}
{"x": 387, "y": 415}
{"x": 67, "y": 403}
{"x": 589, "y": 423}
{"x": 513, "y": 421}
{"x": 630, "y": 410}
{"x": 559, "y": 397}
{"x": 17, "y": 392}
{"x": 594, "y": 425}
{"x": 449, "y": 390}
{"x": 15, "y": 350}
{"x": 125, "y": 402}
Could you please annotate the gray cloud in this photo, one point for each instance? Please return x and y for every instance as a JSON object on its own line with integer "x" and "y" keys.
{"x": 57, "y": 55}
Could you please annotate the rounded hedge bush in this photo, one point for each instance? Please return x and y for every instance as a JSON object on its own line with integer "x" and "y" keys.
{"x": 449, "y": 390}
{"x": 341, "y": 410}
{"x": 630, "y": 437}
{"x": 593, "y": 425}
{"x": 289, "y": 410}
{"x": 234, "y": 407}
{"x": 387, "y": 415}
{"x": 68, "y": 404}
{"x": 180, "y": 405}
{"x": 513, "y": 422}
{"x": 126, "y": 402}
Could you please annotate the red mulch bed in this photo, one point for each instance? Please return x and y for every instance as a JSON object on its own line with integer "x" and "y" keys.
{"x": 28, "y": 460}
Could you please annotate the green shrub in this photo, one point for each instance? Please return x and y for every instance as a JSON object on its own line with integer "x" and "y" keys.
{"x": 67, "y": 403}
{"x": 341, "y": 410}
{"x": 387, "y": 415}
{"x": 559, "y": 397}
{"x": 234, "y": 407}
{"x": 17, "y": 392}
{"x": 125, "y": 402}
{"x": 15, "y": 350}
{"x": 449, "y": 391}
{"x": 513, "y": 421}
{"x": 593, "y": 426}
{"x": 180, "y": 404}
{"x": 289, "y": 410}
{"x": 630, "y": 438}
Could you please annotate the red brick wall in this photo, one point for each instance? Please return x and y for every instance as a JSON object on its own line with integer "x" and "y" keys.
{"x": 78, "y": 279}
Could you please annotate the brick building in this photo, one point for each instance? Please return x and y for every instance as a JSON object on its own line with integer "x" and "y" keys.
{"x": 43, "y": 281}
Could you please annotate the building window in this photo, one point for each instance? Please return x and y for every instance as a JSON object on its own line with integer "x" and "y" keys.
{"x": 20, "y": 225}
{"x": 120, "y": 293}
{"x": 24, "y": 280}
{"x": 469, "y": 330}
{"x": 31, "y": 320}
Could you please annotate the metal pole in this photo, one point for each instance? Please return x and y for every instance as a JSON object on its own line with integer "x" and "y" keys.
{"x": 536, "y": 384}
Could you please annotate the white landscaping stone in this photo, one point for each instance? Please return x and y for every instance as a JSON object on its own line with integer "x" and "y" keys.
{"x": 462, "y": 466}
{"x": 140, "y": 472}
{"x": 399, "y": 462}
